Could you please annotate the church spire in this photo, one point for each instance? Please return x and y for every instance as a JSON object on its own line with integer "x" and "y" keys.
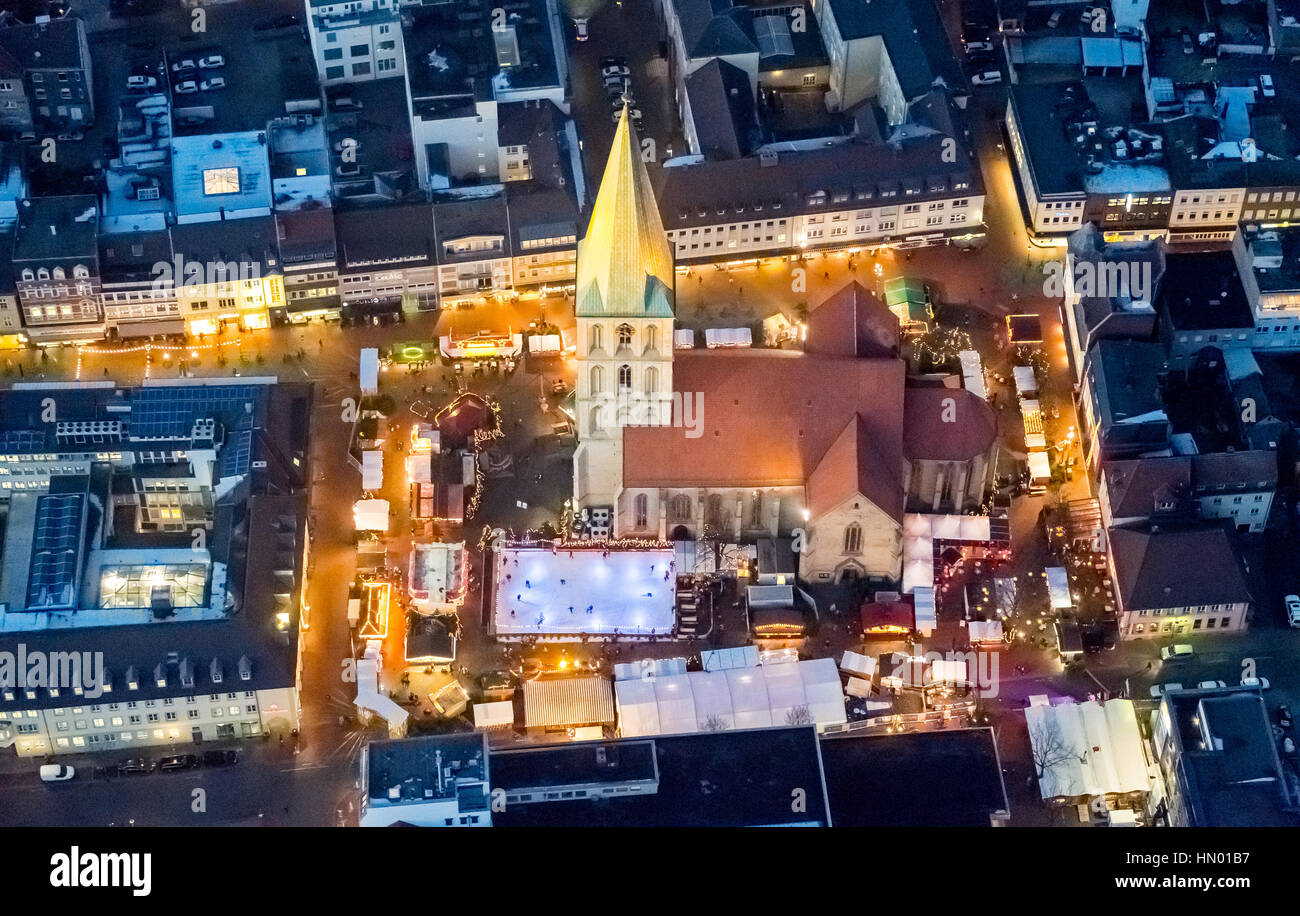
{"x": 625, "y": 264}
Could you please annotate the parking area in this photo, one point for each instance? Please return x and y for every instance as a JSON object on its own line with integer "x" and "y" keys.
{"x": 629, "y": 30}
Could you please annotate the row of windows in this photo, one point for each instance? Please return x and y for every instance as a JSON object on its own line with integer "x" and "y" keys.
{"x": 114, "y": 707}
{"x": 79, "y": 272}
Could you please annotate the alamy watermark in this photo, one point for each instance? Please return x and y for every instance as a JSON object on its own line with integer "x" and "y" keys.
{"x": 24, "y": 670}
{"x": 1099, "y": 280}
{"x": 975, "y": 670}
{"x": 226, "y": 276}
{"x": 684, "y": 410}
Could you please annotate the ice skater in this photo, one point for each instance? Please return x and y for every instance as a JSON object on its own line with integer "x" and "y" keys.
{"x": 589, "y": 607}
{"x": 666, "y": 575}
{"x": 570, "y": 609}
{"x": 649, "y": 594}
{"x": 519, "y": 597}
{"x": 652, "y": 569}
{"x": 528, "y": 583}
{"x": 561, "y": 581}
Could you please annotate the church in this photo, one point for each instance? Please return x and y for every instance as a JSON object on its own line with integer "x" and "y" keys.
{"x": 831, "y": 444}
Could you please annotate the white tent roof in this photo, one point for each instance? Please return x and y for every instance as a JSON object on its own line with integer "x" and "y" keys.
{"x": 821, "y": 687}
{"x": 737, "y": 657}
{"x": 914, "y": 524}
{"x": 985, "y": 631}
{"x": 1026, "y": 382}
{"x": 1058, "y": 587}
{"x": 926, "y": 616}
{"x": 372, "y": 469}
{"x": 493, "y": 715}
{"x": 1039, "y": 467}
{"x": 784, "y": 691}
{"x": 683, "y": 339}
{"x": 918, "y": 574}
{"x": 1099, "y": 749}
{"x": 369, "y": 374}
{"x": 728, "y": 337}
{"x": 638, "y": 711}
{"x": 749, "y": 697}
{"x": 712, "y": 698}
{"x": 370, "y": 514}
{"x": 676, "y": 704}
{"x": 863, "y": 665}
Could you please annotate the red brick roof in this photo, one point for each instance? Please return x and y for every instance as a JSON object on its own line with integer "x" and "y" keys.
{"x": 768, "y": 419}
{"x": 937, "y": 431}
{"x": 853, "y": 322}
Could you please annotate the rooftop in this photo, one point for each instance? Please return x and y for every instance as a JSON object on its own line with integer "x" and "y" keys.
{"x": 215, "y": 175}
{"x": 1203, "y": 292}
{"x": 1233, "y": 779}
{"x": 452, "y": 50}
{"x": 723, "y": 779}
{"x": 56, "y": 227}
{"x": 1152, "y": 572}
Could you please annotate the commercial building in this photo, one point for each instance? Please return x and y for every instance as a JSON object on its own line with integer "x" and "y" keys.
{"x": 141, "y": 530}
{"x": 1159, "y": 594}
{"x": 46, "y": 81}
{"x": 1220, "y": 764}
{"x": 355, "y": 42}
{"x": 709, "y": 779}
{"x": 56, "y": 269}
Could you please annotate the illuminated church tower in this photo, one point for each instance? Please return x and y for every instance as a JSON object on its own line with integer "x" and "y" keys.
{"x": 624, "y": 309}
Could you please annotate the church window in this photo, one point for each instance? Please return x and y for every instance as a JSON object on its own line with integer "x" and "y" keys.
{"x": 625, "y": 335}
{"x": 853, "y": 538}
{"x": 624, "y": 376}
{"x": 756, "y": 510}
{"x": 681, "y": 506}
{"x": 597, "y": 379}
{"x": 651, "y": 337}
{"x": 651, "y": 380}
{"x": 597, "y": 332}
{"x": 641, "y": 510}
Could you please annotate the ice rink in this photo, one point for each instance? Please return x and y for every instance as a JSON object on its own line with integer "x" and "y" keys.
{"x": 538, "y": 592}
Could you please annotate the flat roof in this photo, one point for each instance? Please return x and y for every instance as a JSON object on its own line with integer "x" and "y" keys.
{"x": 724, "y": 779}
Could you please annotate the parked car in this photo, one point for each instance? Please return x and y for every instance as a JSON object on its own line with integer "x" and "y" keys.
{"x": 1211, "y": 685}
{"x": 615, "y": 70}
{"x": 1175, "y": 653}
{"x": 985, "y": 46}
{"x": 1266, "y": 86}
{"x": 1284, "y": 716}
{"x": 580, "y": 27}
{"x": 1260, "y": 683}
{"x": 186, "y": 87}
{"x": 613, "y": 61}
{"x": 178, "y": 762}
{"x": 57, "y": 772}
{"x": 1292, "y": 603}
{"x": 986, "y": 78}
{"x": 217, "y": 82}
{"x": 134, "y": 766}
{"x": 1189, "y": 46}
{"x": 1288, "y": 746}
{"x": 1159, "y": 690}
{"x": 141, "y": 82}
{"x": 211, "y": 62}
{"x": 633, "y": 113}
{"x": 977, "y": 63}
{"x": 184, "y": 64}
{"x": 224, "y": 758}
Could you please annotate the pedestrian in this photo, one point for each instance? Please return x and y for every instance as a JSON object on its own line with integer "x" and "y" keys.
{"x": 562, "y": 582}
{"x": 528, "y": 583}
{"x": 507, "y": 577}
{"x": 570, "y": 609}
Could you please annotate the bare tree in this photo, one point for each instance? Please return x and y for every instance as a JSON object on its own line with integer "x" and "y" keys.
{"x": 1050, "y": 749}
{"x": 799, "y": 715}
{"x": 714, "y": 723}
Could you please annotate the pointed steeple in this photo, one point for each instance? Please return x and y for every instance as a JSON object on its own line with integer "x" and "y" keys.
{"x": 625, "y": 264}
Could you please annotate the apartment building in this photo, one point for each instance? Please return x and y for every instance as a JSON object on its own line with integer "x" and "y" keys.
{"x": 355, "y": 40}
{"x": 56, "y": 269}
{"x": 46, "y": 79}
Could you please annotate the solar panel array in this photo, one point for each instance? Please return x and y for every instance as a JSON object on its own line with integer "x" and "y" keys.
{"x": 168, "y": 412}
{"x": 56, "y": 546}
{"x": 236, "y": 455}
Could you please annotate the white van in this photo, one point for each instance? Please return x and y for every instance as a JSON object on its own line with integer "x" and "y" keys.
{"x": 1175, "y": 653}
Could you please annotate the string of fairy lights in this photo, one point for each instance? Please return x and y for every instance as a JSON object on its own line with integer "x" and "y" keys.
{"x": 148, "y": 349}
